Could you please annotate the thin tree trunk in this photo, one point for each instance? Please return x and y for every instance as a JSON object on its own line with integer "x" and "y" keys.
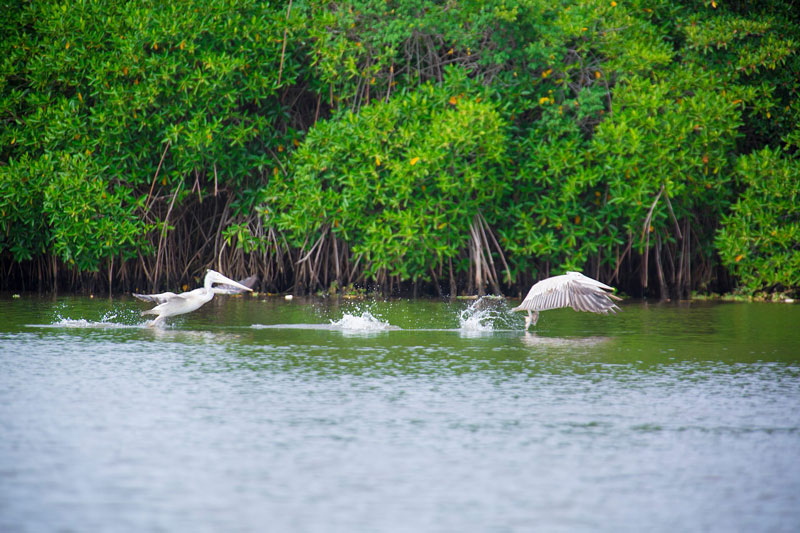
{"x": 283, "y": 47}
{"x": 453, "y": 287}
{"x": 662, "y": 285}
{"x": 436, "y": 281}
{"x": 476, "y": 256}
{"x": 55, "y": 274}
{"x": 336, "y": 262}
{"x": 161, "y": 238}
{"x": 110, "y": 273}
{"x": 688, "y": 278}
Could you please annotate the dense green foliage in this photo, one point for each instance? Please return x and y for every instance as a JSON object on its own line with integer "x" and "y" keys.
{"x": 401, "y": 182}
{"x": 759, "y": 237}
{"x": 459, "y": 145}
{"x": 111, "y": 109}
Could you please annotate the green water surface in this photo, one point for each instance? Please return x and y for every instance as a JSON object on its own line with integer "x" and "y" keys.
{"x": 261, "y": 414}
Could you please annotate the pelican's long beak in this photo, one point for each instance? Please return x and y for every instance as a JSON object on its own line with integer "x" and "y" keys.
{"x": 228, "y": 285}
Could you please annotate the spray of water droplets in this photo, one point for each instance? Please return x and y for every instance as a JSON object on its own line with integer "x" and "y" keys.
{"x": 488, "y": 313}
{"x": 111, "y": 319}
{"x": 366, "y": 321}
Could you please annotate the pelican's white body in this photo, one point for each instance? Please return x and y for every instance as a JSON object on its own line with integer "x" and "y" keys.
{"x": 171, "y": 304}
{"x": 572, "y": 289}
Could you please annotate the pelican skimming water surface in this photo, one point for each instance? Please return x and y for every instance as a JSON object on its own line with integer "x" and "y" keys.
{"x": 572, "y": 289}
{"x": 171, "y": 304}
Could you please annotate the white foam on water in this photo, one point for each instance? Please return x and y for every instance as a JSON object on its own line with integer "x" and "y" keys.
{"x": 78, "y": 323}
{"x": 291, "y": 326}
{"x": 365, "y": 322}
{"x": 106, "y": 321}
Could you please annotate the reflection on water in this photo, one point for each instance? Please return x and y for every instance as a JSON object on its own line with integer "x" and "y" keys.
{"x": 317, "y": 415}
{"x": 191, "y": 337}
{"x": 537, "y": 341}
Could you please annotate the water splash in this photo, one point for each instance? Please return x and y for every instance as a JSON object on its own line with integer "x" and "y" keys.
{"x": 487, "y": 313}
{"x": 365, "y": 322}
{"x": 106, "y": 321}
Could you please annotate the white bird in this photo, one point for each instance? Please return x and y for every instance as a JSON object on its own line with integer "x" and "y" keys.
{"x": 171, "y": 304}
{"x": 572, "y": 289}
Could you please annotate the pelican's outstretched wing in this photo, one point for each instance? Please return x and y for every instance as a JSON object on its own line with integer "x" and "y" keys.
{"x": 572, "y": 289}
{"x": 592, "y": 298}
{"x": 178, "y": 304}
{"x": 157, "y": 298}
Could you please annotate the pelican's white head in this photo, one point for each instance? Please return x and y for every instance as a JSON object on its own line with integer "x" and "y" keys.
{"x": 212, "y": 276}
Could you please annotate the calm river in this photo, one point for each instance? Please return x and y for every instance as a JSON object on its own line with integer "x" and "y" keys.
{"x": 257, "y": 414}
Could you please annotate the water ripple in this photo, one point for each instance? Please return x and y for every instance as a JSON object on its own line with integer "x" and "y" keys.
{"x": 214, "y": 424}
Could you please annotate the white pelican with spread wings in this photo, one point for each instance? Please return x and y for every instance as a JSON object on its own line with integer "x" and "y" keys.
{"x": 572, "y": 289}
